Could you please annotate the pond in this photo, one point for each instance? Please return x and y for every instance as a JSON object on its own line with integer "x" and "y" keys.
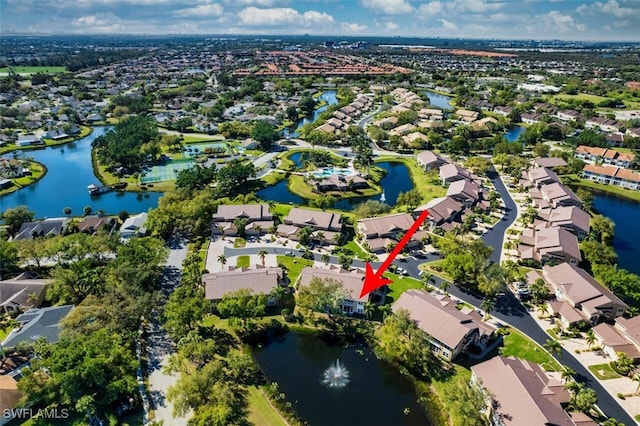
{"x": 65, "y": 184}
{"x": 396, "y": 180}
{"x": 329, "y": 96}
{"x": 624, "y": 214}
{"x": 376, "y": 392}
{"x": 438, "y": 100}
{"x": 513, "y": 134}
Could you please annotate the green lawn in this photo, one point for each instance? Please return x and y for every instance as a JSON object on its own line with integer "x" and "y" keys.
{"x": 294, "y": 266}
{"x": 188, "y": 138}
{"x": 580, "y": 97}
{"x": 399, "y": 284}
{"x": 34, "y": 70}
{"x": 359, "y": 253}
{"x": 444, "y": 391}
{"x": 430, "y": 266}
{"x": 243, "y": 261}
{"x": 281, "y": 209}
{"x": 430, "y": 188}
{"x": 261, "y": 413}
{"x": 239, "y": 242}
{"x": 603, "y": 371}
{"x": 575, "y": 180}
{"x": 519, "y": 345}
{"x": 299, "y": 186}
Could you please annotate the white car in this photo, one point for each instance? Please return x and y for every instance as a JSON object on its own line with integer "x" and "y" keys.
{"x": 401, "y": 271}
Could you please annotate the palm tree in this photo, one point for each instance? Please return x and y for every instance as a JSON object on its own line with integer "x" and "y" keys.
{"x": 32, "y": 299}
{"x": 262, "y": 254}
{"x": 553, "y": 346}
{"x": 427, "y": 279}
{"x": 487, "y": 306}
{"x": 336, "y": 238}
{"x": 444, "y": 286}
{"x": 567, "y": 374}
{"x": 222, "y": 259}
{"x": 320, "y": 237}
{"x": 5, "y": 325}
{"x": 590, "y": 338}
{"x": 544, "y": 309}
{"x": 277, "y": 293}
{"x": 325, "y": 258}
{"x": 67, "y": 211}
{"x": 636, "y": 378}
{"x": 386, "y": 310}
{"x": 368, "y": 309}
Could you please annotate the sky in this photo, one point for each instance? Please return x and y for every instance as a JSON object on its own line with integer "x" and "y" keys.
{"x": 502, "y": 19}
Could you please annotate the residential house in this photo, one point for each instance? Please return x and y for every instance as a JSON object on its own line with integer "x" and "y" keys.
{"x": 38, "y": 323}
{"x": 505, "y": 111}
{"x": 519, "y": 392}
{"x": 414, "y": 138}
{"x": 567, "y": 115}
{"x": 21, "y": 293}
{"x": 612, "y": 175}
{"x": 353, "y": 302}
{"x": 134, "y": 226}
{"x": 10, "y": 396}
{"x": 405, "y": 129}
{"x": 605, "y": 156}
{"x": 444, "y": 212}
{"x": 613, "y": 341}
{"x": 633, "y": 132}
{"x": 548, "y": 162}
{"x": 326, "y": 223}
{"x": 429, "y": 160}
{"x": 93, "y": 224}
{"x": 629, "y": 328}
{"x": 582, "y": 292}
{"x": 554, "y": 195}
{"x": 45, "y": 228}
{"x": 614, "y": 139}
{"x": 449, "y": 331}
{"x": 530, "y": 117}
{"x": 538, "y": 176}
{"x": 26, "y": 140}
{"x": 452, "y": 172}
{"x": 571, "y": 218}
{"x": 256, "y": 219}
{"x": 379, "y": 232}
{"x": 260, "y": 280}
{"x": 467, "y": 116}
{"x": 467, "y": 192}
{"x": 549, "y": 245}
{"x": 602, "y": 123}
{"x": 337, "y": 182}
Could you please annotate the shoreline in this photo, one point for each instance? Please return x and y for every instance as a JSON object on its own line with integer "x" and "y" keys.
{"x": 15, "y": 187}
{"x": 84, "y": 132}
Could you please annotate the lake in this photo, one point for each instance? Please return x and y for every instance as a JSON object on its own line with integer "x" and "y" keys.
{"x": 396, "y": 180}
{"x": 331, "y": 99}
{"x": 377, "y": 394}
{"x": 438, "y": 100}
{"x": 513, "y": 134}
{"x": 625, "y": 215}
{"x": 65, "y": 184}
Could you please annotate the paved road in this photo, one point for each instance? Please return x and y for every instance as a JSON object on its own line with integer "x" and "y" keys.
{"x": 160, "y": 346}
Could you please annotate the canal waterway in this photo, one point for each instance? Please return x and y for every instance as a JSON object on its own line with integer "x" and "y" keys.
{"x": 625, "y": 214}
{"x": 376, "y": 392}
{"x": 329, "y": 96}
{"x": 65, "y": 184}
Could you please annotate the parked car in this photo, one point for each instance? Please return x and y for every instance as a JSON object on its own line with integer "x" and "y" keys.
{"x": 401, "y": 271}
{"x": 289, "y": 253}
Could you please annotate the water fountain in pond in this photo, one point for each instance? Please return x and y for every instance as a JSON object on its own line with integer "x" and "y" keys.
{"x": 336, "y": 376}
{"x": 383, "y": 198}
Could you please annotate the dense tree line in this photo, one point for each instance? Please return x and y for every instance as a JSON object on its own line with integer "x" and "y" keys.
{"x": 133, "y": 141}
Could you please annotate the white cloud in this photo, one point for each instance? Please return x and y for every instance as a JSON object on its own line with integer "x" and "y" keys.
{"x": 264, "y": 3}
{"x": 352, "y": 27}
{"x": 282, "y": 16}
{"x": 389, "y": 7}
{"x": 556, "y": 21}
{"x": 612, "y": 7}
{"x": 213, "y": 9}
{"x": 448, "y": 25}
{"x": 475, "y": 6}
{"x": 432, "y": 8}
{"x": 391, "y": 26}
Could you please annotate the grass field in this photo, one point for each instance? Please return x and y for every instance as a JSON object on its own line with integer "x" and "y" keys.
{"x": 34, "y": 70}
{"x": 430, "y": 188}
{"x": 580, "y": 97}
{"x": 519, "y": 345}
{"x": 445, "y": 389}
{"x": 243, "y": 261}
{"x": 299, "y": 186}
{"x": 603, "y": 371}
{"x": 399, "y": 284}
{"x": 294, "y": 266}
{"x": 261, "y": 413}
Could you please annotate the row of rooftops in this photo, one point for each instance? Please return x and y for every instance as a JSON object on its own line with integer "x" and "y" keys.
{"x": 606, "y": 155}
{"x": 612, "y": 172}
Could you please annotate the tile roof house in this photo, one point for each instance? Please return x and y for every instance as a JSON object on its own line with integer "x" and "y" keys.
{"x": 15, "y": 293}
{"x": 575, "y": 286}
{"x": 45, "y": 228}
{"x": 549, "y": 244}
{"x": 539, "y": 176}
{"x": 36, "y": 323}
{"x": 613, "y": 341}
{"x": 378, "y": 232}
{"x": 327, "y": 223}
{"x": 452, "y": 172}
{"x": 10, "y": 395}
{"x": 549, "y": 162}
{"x": 259, "y": 280}
{"x": 442, "y": 210}
{"x": 591, "y": 154}
{"x": 466, "y": 192}
{"x": 630, "y": 329}
{"x": 93, "y": 224}
{"x": 612, "y": 175}
{"x": 352, "y": 283}
{"x": 450, "y": 331}
{"x": 520, "y": 392}
{"x": 429, "y": 160}
{"x": 554, "y": 195}
{"x": 134, "y": 226}
{"x": 258, "y": 219}
{"x": 571, "y": 218}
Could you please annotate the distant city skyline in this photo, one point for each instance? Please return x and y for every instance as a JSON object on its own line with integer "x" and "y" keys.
{"x": 588, "y": 20}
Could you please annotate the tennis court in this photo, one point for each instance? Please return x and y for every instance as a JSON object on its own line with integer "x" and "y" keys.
{"x": 194, "y": 149}
{"x": 165, "y": 172}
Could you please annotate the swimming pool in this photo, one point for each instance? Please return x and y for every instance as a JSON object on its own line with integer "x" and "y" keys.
{"x": 328, "y": 171}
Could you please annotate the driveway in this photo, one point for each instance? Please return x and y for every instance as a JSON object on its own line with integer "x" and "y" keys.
{"x": 159, "y": 345}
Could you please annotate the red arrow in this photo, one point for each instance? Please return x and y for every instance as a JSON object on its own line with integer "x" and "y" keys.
{"x": 373, "y": 280}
